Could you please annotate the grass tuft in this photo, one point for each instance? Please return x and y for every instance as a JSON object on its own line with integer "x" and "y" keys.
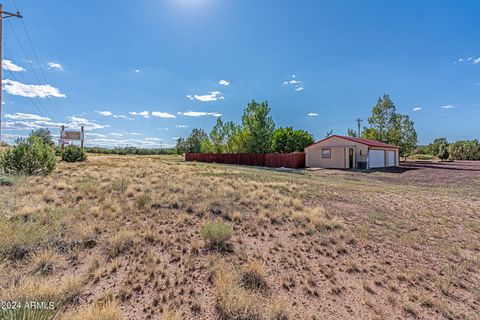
{"x": 216, "y": 234}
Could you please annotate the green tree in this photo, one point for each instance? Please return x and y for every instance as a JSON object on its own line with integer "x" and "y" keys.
{"x": 383, "y": 117}
{"x": 402, "y": 133}
{"x": 181, "y": 146}
{"x": 44, "y": 134}
{"x": 259, "y": 127}
{"x": 465, "y": 150}
{"x": 217, "y": 137}
{"x": 352, "y": 133}
{"x": 289, "y": 140}
{"x": 29, "y": 157}
{"x": 235, "y": 137}
{"x": 434, "y": 147}
{"x": 194, "y": 141}
{"x": 443, "y": 153}
{"x": 388, "y": 126}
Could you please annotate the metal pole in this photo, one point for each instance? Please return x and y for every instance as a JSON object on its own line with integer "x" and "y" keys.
{"x": 1, "y": 68}
{"x": 61, "y": 138}
{"x": 83, "y": 134}
{"x": 7, "y": 15}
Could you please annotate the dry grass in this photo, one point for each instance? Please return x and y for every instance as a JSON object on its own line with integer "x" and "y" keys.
{"x": 46, "y": 262}
{"x": 103, "y": 311}
{"x": 329, "y": 244}
{"x": 235, "y": 302}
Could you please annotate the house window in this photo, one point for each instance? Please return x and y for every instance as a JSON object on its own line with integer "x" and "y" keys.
{"x": 326, "y": 153}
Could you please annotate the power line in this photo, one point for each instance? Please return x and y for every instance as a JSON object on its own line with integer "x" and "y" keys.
{"x": 3, "y": 15}
{"x": 27, "y": 56}
{"x": 26, "y": 95}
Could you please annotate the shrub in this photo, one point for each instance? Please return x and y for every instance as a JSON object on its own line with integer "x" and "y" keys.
{"x": 74, "y": 154}
{"x": 216, "y": 234}
{"x": 29, "y": 157}
{"x": 142, "y": 200}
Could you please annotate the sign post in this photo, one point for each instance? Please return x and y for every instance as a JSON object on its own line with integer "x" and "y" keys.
{"x": 66, "y": 136}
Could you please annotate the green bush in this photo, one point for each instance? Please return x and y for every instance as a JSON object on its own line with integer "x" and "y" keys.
{"x": 29, "y": 157}
{"x": 216, "y": 234}
{"x": 74, "y": 154}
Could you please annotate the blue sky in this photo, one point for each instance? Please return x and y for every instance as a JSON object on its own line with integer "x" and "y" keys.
{"x": 145, "y": 72}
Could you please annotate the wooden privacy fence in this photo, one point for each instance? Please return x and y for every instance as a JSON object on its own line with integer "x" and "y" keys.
{"x": 274, "y": 160}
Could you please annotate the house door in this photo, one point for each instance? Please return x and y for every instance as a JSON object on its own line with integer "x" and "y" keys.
{"x": 350, "y": 158}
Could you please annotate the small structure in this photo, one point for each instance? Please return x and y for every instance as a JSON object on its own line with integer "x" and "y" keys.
{"x": 342, "y": 152}
{"x": 67, "y": 136}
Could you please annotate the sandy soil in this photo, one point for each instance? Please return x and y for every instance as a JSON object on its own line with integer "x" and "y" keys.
{"x": 331, "y": 244}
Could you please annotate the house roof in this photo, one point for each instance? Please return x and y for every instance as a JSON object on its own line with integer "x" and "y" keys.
{"x": 368, "y": 142}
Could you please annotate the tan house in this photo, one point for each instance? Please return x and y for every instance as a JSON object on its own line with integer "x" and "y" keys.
{"x": 342, "y": 152}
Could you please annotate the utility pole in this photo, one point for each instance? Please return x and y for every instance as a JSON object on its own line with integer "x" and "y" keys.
{"x": 359, "y": 122}
{"x": 3, "y": 15}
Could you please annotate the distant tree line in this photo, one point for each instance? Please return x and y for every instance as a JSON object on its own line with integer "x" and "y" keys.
{"x": 255, "y": 134}
{"x": 130, "y": 151}
{"x": 459, "y": 150}
{"x": 388, "y": 126}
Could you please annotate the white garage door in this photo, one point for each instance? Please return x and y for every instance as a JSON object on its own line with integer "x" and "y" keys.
{"x": 391, "y": 158}
{"x": 377, "y": 158}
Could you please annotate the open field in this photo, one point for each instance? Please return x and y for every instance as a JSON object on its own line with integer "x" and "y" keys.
{"x": 119, "y": 238}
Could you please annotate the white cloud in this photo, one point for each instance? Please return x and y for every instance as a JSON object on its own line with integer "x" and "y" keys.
{"x": 132, "y": 133}
{"x": 212, "y": 96}
{"x": 10, "y": 66}
{"x": 224, "y": 83}
{"x": 26, "y": 116}
{"x": 474, "y": 61}
{"x": 417, "y": 109}
{"x": 448, "y": 107}
{"x": 31, "y": 121}
{"x": 54, "y": 65}
{"x": 137, "y": 70}
{"x": 115, "y": 134}
{"x": 162, "y": 129}
{"x": 121, "y": 116}
{"x": 105, "y": 113}
{"x": 108, "y": 143}
{"x": 164, "y": 115}
{"x": 95, "y": 135}
{"x": 30, "y": 90}
{"x": 144, "y": 114}
{"x": 77, "y": 122}
{"x": 153, "y": 139}
{"x": 312, "y": 114}
{"x": 200, "y": 114}
{"x": 181, "y": 126}
{"x": 296, "y": 84}
{"x": 110, "y": 114}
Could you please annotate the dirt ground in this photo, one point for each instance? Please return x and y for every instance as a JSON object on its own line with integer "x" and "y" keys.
{"x": 327, "y": 244}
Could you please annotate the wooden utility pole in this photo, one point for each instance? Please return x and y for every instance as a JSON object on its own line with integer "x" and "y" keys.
{"x": 359, "y": 122}
{"x": 3, "y": 15}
